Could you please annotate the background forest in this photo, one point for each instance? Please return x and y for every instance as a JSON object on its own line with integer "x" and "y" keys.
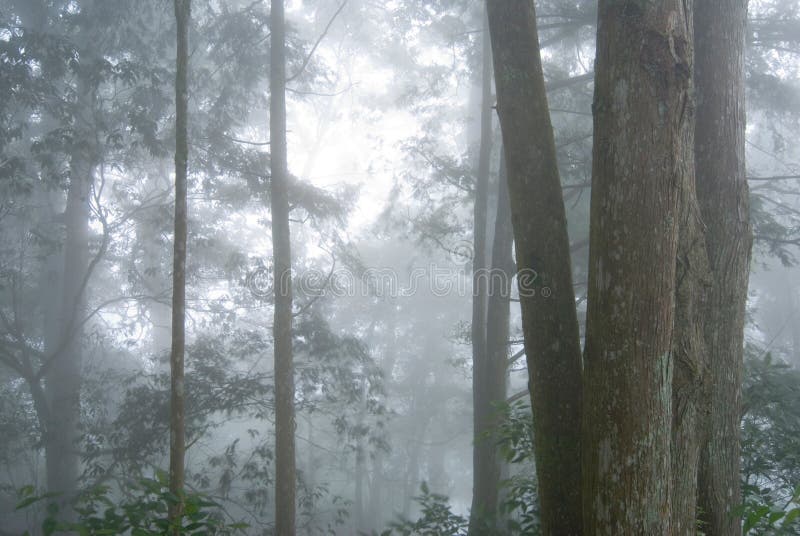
{"x": 394, "y": 202}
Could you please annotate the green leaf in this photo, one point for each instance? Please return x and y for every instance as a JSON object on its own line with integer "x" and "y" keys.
{"x": 790, "y": 517}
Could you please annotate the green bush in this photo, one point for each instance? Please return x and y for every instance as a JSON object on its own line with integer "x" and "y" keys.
{"x": 144, "y": 513}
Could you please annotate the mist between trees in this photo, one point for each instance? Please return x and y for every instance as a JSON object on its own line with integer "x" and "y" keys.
{"x": 434, "y": 267}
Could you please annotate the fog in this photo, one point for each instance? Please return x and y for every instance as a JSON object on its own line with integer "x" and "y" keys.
{"x": 397, "y": 301}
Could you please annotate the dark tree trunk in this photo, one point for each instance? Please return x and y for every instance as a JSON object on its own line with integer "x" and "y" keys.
{"x": 642, "y": 113}
{"x": 690, "y": 357}
{"x": 481, "y": 492}
{"x": 282, "y": 262}
{"x": 549, "y": 316}
{"x": 177, "y": 434}
{"x": 495, "y": 369}
{"x": 723, "y": 196}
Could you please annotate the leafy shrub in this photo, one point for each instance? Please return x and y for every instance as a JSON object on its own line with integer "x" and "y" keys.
{"x": 143, "y": 514}
{"x": 437, "y": 519}
{"x": 761, "y": 515}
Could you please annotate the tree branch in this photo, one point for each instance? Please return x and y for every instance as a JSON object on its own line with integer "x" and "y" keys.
{"x": 319, "y": 40}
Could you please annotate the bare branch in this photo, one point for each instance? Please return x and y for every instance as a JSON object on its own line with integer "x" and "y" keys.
{"x": 319, "y": 40}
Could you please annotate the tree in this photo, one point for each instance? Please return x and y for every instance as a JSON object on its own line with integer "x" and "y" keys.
{"x": 549, "y": 316}
{"x": 494, "y": 372}
{"x": 282, "y": 280}
{"x": 723, "y": 197}
{"x": 484, "y": 488}
{"x": 177, "y": 447}
{"x": 642, "y": 117}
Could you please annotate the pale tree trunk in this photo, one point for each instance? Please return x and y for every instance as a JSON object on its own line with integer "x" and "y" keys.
{"x": 723, "y": 195}
{"x": 360, "y": 465}
{"x": 61, "y": 278}
{"x": 57, "y": 399}
{"x": 642, "y": 113}
{"x": 154, "y": 280}
{"x": 549, "y": 316}
{"x": 285, "y": 487}
{"x": 796, "y": 329}
{"x": 177, "y": 439}
{"x": 377, "y": 483}
{"x": 63, "y": 371}
{"x": 481, "y": 492}
{"x": 495, "y": 371}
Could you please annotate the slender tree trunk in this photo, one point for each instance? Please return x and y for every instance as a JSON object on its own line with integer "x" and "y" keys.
{"x": 495, "y": 371}
{"x": 642, "y": 112}
{"x": 796, "y": 329}
{"x": 723, "y": 196}
{"x": 282, "y": 262}
{"x": 690, "y": 356}
{"x": 549, "y": 316}
{"x": 482, "y": 506}
{"x": 358, "y": 506}
{"x": 360, "y": 466}
{"x": 378, "y": 488}
{"x": 177, "y": 433}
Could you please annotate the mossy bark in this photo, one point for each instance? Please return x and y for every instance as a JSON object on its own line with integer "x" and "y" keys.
{"x": 723, "y": 197}
{"x": 549, "y": 316}
{"x": 642, "y": 117}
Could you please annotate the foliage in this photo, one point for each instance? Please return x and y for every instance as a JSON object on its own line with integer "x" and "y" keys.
{"x": 143, "y": 513}
{"x": 770, "y": 446}
{"x": 763, "y": 516}
{"x": 519, "y": 502}
{"x": 437, "y": 519}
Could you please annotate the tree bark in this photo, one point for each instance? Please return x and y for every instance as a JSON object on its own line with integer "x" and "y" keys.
{"x": 690, "y": 356}
{"x": 177, "y": 434}
{"x": 642, "y": 112}
{"x": 482, "y": 505}
{"x": 723, "y": 197}
{"x": 495, "y": 371}
{"x": 63, "y": 372}
{"x": 285, "y": 487}
{"x": 549, "y": 316}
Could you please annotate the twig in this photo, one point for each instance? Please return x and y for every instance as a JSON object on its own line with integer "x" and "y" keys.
{"x": 319, "y": 40}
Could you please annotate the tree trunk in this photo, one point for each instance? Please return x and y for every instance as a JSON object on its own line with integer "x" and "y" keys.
{"x": 495, "y": 370}
{"x": 481, "y": 409}
{"x": 63, "y": 372}
{"x": 690, "y": 356}
{"x": 723, "y": 196}
{"x": 282, "y": 263}
{"x": 795, "y": 329}
{"x": 642, "y": 112}
{"x": 177, "y": 447}
{"x": 549, "y": 316}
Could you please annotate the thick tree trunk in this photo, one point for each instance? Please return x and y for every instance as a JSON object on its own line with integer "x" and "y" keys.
{"x": 482, "y": 493}
{"x": 723, "y": 197}
{"x": 549, "y": 316}
{"x": 57, "y": 398}
{"x": 282, "y": 262}
{"x": 63, "y": 376}
{"x": 177, "y": 434}
{"x": 642, "y": 113}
